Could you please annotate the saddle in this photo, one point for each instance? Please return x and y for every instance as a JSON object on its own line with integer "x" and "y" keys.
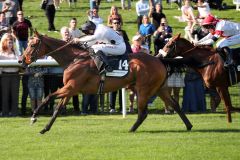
{"x": 119, "y": 65}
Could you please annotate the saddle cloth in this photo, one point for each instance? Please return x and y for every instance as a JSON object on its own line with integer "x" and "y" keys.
{"x": 119, "y": 64}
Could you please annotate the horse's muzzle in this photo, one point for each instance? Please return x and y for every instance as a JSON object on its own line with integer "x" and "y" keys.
{"x": 24, "y": 64}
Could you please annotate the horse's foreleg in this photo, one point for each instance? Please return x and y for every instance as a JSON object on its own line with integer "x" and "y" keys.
{"x": 45, "y": 102}
{"x": 58, "y": 108}
{"x": 142, "y": 113}
{"x": 166, "y": 97}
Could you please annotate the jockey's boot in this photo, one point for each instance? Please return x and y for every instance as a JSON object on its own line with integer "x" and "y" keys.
{"x": 104, "y": 59}
{"x": 229, "y": 59}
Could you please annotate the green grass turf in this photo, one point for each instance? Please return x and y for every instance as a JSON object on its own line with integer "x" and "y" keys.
{"x": 106, "y": 137}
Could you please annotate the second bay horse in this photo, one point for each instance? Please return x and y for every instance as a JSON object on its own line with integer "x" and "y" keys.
{"x": 147, "y": 73}
{"x": 214, "y": 74}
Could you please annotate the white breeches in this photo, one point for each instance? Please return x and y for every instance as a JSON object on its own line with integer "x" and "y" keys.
{"x": 110, "y": 49}
{"x": 230, "y": 41}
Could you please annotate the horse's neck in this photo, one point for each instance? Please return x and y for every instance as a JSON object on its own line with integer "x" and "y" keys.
{"x": 63, "y": 56}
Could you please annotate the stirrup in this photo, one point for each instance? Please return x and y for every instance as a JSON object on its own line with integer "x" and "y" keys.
{"x": 102, "y": 72}
{"x": 108, "y": 68}
{"x": 227, "y": 64}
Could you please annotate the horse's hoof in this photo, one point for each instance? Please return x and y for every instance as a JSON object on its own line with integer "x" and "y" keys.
{"x": 189, "y": 128}
{"x": 131, "y": 130}
{"x": 33, "y": 120}
{"x": 43, "y": 131}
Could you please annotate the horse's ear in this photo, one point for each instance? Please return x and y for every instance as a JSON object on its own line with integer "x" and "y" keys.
{"x": 35, "y": 32}
{"x": 178, "y": 36}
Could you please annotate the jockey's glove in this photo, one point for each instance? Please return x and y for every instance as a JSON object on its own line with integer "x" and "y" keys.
{"x": 76, "y": 40}
{"x": 196, "y": 43}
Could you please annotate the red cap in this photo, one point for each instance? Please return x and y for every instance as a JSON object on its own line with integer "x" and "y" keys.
{"x": 209, "y": 20}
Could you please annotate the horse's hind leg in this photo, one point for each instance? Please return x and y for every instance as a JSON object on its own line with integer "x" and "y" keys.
{"x": 142, "y": 113}
{"x": 45, "y": 102}
{"x": 224, "y": 94}
{"x": 166, "y": 97}
{"x": 58, "y": 108}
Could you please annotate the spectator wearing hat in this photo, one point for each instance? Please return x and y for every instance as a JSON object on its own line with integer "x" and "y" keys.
{"x": 137, "y": 45}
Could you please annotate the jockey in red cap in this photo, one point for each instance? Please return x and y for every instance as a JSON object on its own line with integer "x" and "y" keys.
{"x": 230, "y": 31}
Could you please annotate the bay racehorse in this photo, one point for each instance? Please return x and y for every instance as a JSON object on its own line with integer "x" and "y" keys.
{"x": 214, "y": 74}
{"x": 146, "y": 72}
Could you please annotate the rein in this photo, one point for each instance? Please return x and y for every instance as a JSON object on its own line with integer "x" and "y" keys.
{"x": 60, "y": 48}
{"x": 175, "y": 49}
{"x": 190, "y": 50}
{"x": 37, "y": 49}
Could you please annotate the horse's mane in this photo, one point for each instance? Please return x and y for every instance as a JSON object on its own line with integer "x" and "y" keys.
{"x": 78, "y": 49}
{"x": 73, "y": 45}
{"x": 210, "y": 50}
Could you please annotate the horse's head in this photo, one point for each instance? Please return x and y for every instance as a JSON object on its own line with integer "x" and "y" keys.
{"x": 34, "y": 50}
{"x": 175, "y": 47}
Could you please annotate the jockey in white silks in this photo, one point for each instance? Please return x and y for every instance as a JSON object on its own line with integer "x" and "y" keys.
{"x": 103, "y": 40}
{"x": 230, "y": 31}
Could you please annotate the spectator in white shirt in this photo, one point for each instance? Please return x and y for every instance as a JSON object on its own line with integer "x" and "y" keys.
{"x": 203, "y": 10}
{"x": 94, "y": 17}
{"x": 142, "y": 8}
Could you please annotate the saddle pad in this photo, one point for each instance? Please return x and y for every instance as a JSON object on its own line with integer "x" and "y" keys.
{"x": 119, "y": 65}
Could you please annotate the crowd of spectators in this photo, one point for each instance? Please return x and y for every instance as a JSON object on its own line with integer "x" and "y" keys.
{"x": 38, "y": 82}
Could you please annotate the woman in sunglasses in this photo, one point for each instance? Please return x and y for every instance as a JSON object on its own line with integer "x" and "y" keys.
{"x": 114, "y": 15}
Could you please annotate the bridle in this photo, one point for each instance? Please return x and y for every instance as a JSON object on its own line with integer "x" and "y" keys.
{"x": 174, "y": 49}
{"x": 38, "y": 44}
{"x": 37, "y": 49}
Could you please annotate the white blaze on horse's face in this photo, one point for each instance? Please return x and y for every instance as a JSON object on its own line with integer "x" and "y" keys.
{"x": 162, "y": 52}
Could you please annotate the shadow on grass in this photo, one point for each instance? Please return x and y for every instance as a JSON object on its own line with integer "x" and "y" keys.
{"x": 194, "y": 131}
{"x": 71, "y": 112}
